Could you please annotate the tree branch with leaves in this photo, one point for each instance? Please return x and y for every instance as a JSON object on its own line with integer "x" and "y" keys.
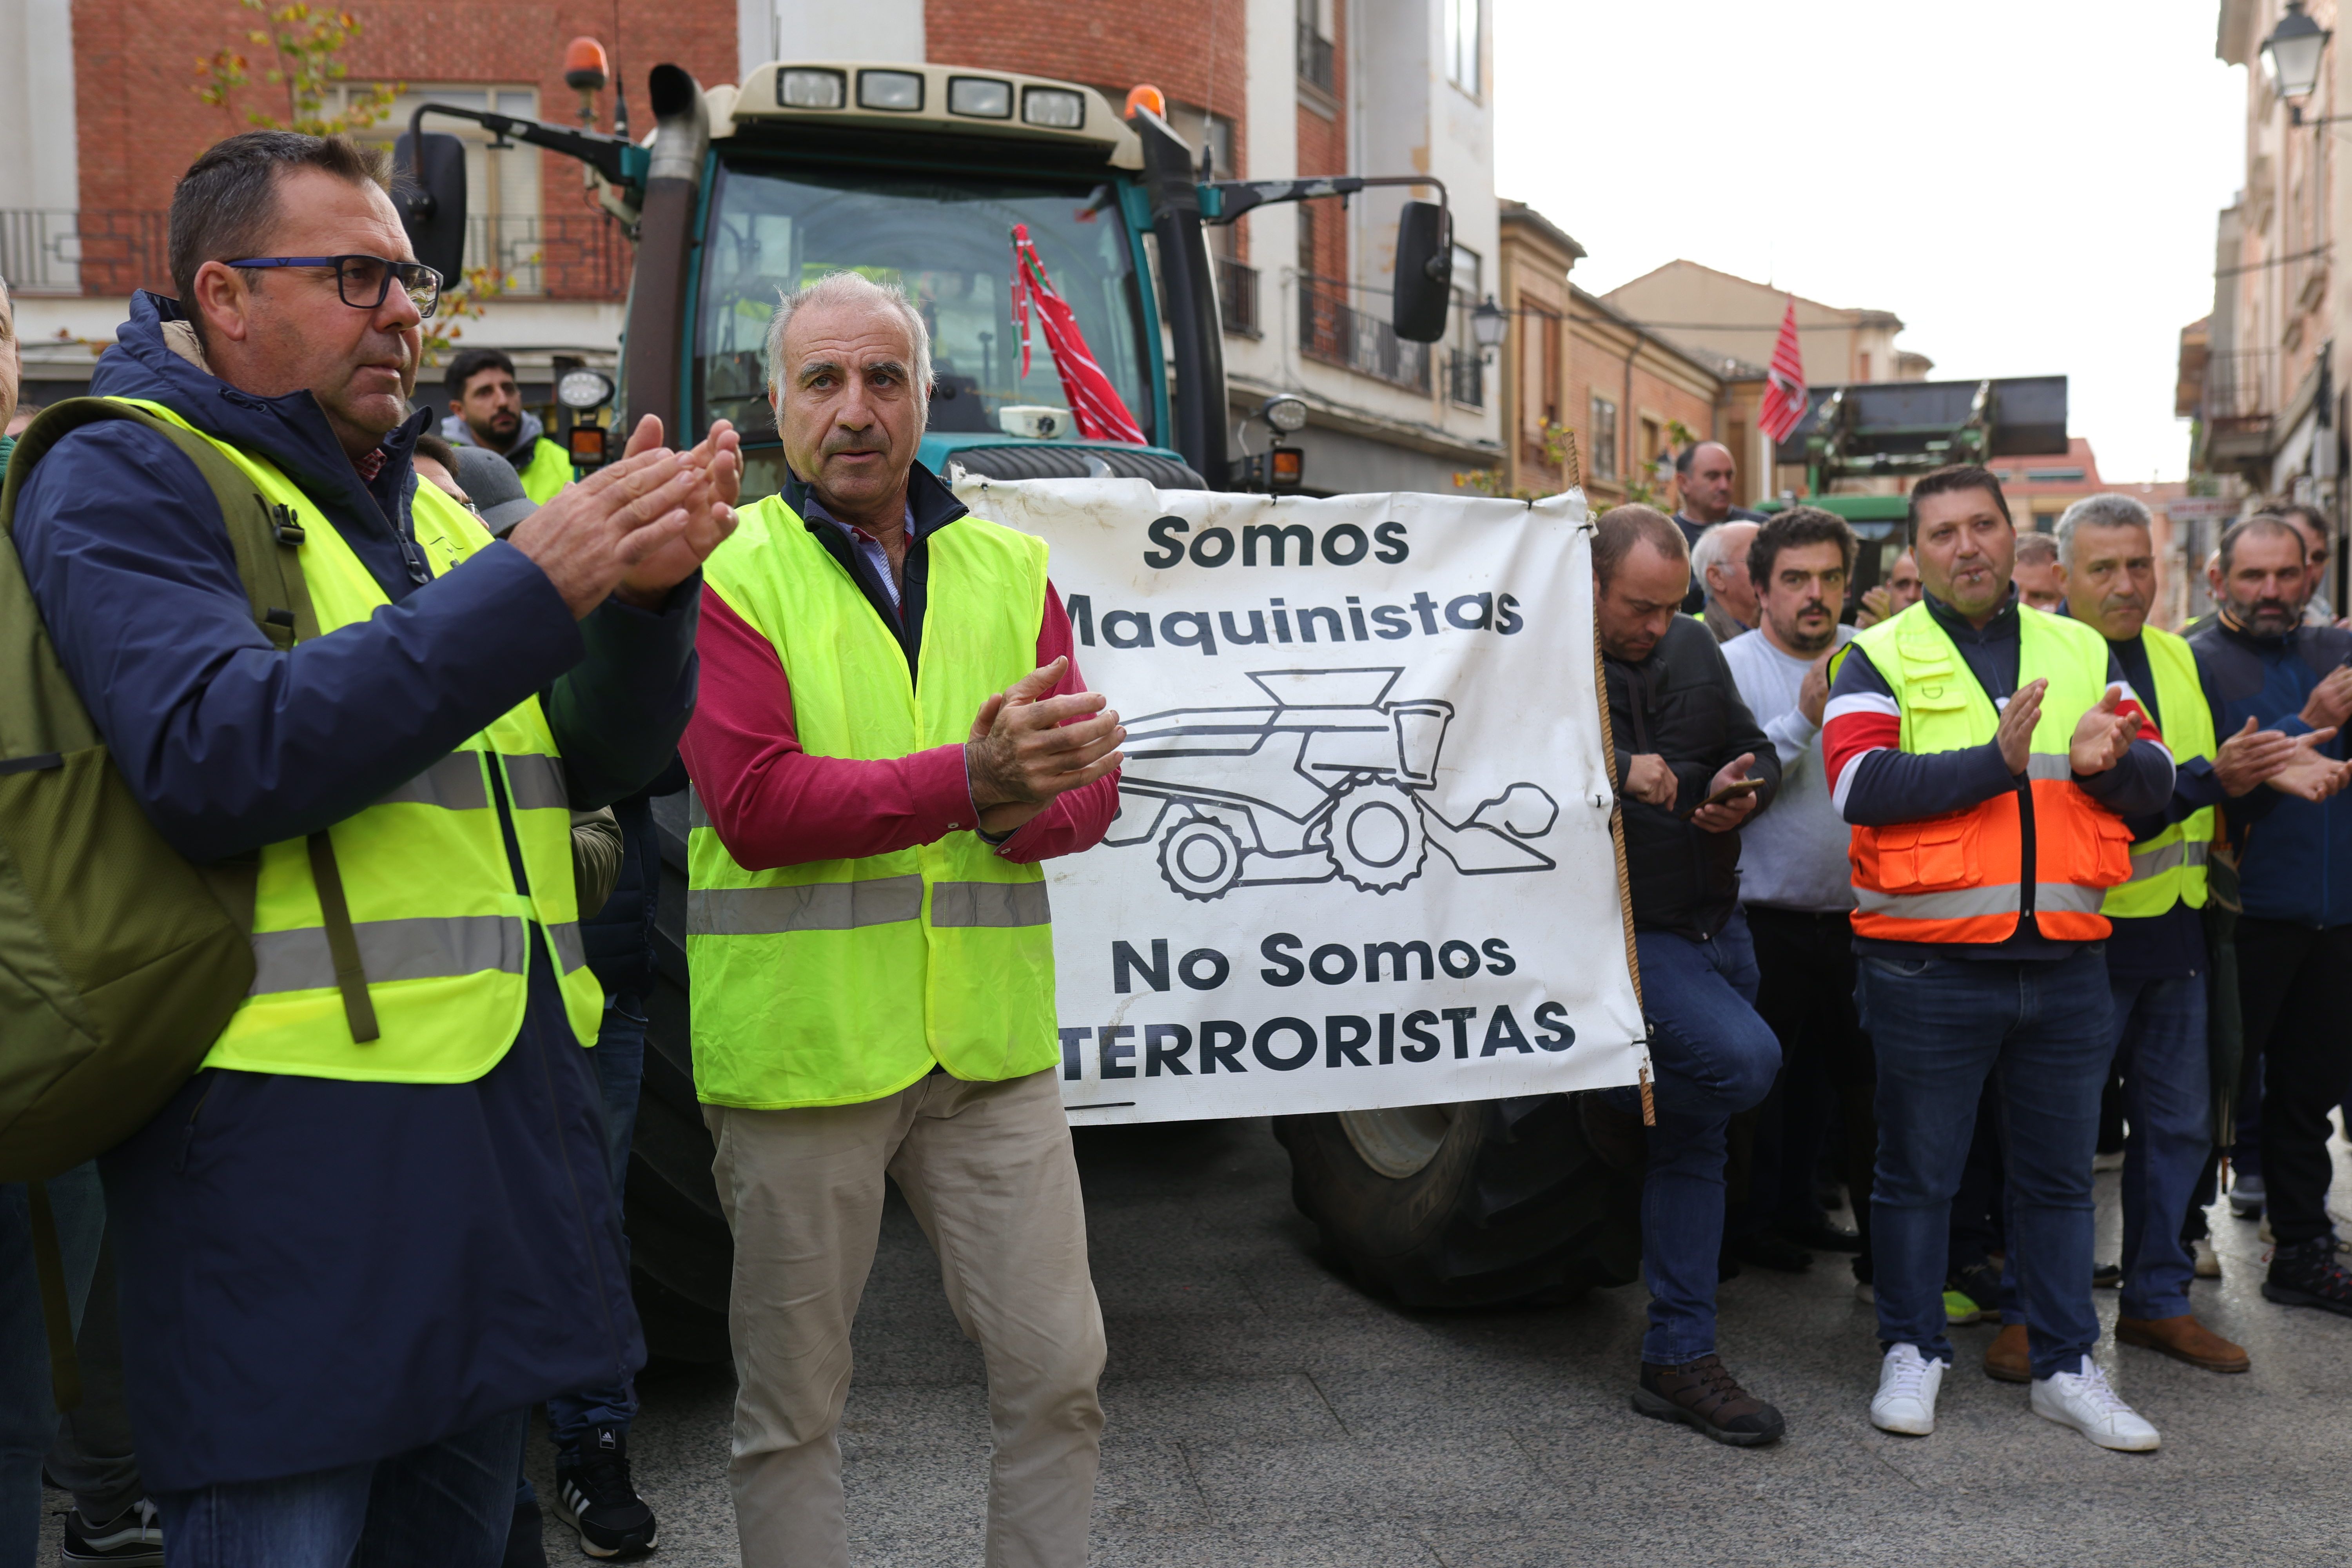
{"x": 305, "y": 43}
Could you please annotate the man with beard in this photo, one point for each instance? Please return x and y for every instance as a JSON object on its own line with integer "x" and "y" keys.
{"x": 486, "y": 410}
{"x": 1793, "y": 884}
{"x": 2294, "y": 938}
{"x": 2158, "y": 966}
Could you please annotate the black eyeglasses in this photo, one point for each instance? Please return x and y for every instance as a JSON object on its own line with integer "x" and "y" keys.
{"x": 365, "y": 281}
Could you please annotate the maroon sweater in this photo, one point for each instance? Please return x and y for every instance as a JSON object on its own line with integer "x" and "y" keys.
{"x": 775, "y": 804}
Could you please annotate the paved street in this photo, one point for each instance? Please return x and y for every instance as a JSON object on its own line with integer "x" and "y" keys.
{"x": 1264, "y": 1412}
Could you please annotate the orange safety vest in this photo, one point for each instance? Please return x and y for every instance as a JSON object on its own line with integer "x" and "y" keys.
{"x": 1959, "y": 877}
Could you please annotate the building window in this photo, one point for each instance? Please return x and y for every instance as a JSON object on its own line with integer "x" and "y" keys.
{"x": 1305, "y": 240}
{"x": 1315, "y": 50}
{"x": 1548, "y": 399}
{"x": 1461, "y": 21}
{"x": 1654, "y": 442}
{"x": 1604, "y": 439}
{"x": 1865, "y": 367}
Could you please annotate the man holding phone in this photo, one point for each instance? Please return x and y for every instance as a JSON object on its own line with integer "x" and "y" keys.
{"x": 1691, "y": 766}
{"x": 1985, "y": 758}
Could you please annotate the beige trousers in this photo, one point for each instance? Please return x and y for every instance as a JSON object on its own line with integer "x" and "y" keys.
{"x": 988, "y": 1170}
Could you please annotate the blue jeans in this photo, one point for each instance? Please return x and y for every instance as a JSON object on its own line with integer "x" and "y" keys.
{"x": 1942, "y": 1026}
{"x": 29, "y": 1409}
{"x": 446, "y": 1505}
{"x": 1713, "y": 1057}
{"x": 620, "y": 1062}
{"x": 2160, "y": 1050}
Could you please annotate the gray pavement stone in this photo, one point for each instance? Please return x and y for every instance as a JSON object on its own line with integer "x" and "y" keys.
{"x": 1264, "y": 1411}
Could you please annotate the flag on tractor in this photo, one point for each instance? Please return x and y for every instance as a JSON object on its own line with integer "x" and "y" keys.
{"x": 1095, "y": 402}
{"x": 1783, "y": 407}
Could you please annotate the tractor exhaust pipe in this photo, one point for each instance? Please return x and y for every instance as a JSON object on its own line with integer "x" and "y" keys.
{"x": 665, "y": 251}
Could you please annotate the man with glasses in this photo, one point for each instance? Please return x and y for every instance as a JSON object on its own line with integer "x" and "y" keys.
{"x": 373, "y": 1230}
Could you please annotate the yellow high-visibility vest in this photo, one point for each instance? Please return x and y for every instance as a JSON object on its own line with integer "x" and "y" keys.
{"x": 1959, "y": 877}
{"x": 2170, "y": 867}
{"x": 442, "y": 931}
{"x": 549, "y": 471}
{"x": 842, "y": 981}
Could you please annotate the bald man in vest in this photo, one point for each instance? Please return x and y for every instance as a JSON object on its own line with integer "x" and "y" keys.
{"x": 892, "y": 735}
{"x": 1985, "y": 758}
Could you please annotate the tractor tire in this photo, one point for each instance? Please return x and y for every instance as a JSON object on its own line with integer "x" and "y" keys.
{"x": 681, "y": 1254}
{"x": 1476, "y": 1205}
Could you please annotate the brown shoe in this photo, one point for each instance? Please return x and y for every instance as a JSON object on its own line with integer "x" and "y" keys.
{"x": 2183, "y": 1339}
{"x": 2006, "y": 1359}
{"x": 1704, "y": 1393}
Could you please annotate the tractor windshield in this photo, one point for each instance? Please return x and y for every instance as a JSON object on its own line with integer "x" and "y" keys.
{"x": 947, "y": 241}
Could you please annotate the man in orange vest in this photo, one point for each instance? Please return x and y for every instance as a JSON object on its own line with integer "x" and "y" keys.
{"x": 1985, "y": 757}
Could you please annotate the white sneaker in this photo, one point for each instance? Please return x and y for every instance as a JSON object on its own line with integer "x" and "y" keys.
{"x": 2207, "y": 1261}
{"x": 2084, "y": 1401}
{"x": 1905, "y": 1401}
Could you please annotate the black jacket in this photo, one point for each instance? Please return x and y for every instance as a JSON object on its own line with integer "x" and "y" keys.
{"x": 1680, "y": 703}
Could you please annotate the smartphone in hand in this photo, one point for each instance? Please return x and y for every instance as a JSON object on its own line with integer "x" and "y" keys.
{"x": 1732, "y": 791}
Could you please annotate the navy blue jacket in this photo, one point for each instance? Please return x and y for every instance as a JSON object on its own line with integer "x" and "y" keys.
{"x": 2296, "y": 861}
{"x": 314, "y": 1272}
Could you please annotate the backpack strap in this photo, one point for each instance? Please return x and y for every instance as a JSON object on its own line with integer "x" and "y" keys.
{"x": 263, "y": 537}
{"x": 266, "y": 539}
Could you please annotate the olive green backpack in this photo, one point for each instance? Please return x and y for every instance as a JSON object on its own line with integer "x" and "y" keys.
{"x": 121, "y": 960}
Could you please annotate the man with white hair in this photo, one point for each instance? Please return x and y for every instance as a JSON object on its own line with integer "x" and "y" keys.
{"x": 892, "y": 733}
{"x": 1719, "y": 561}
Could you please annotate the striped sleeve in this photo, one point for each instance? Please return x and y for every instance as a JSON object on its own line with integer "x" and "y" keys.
{"x": 1872, "y": 781}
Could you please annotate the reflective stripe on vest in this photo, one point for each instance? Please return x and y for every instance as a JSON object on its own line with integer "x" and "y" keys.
{"x": 2169, "y": 867}
{"x": 1959, "y": 877}
{"x": 2165, "y": 857}
{"x": 549, "y": 471}
{"x": 443, "y": 935}
{"x": 842, "y": 981}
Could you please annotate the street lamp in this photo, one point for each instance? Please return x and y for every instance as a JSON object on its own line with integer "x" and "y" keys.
{"x": 2291, "y": 56}
{"x": 1487, "y": 325}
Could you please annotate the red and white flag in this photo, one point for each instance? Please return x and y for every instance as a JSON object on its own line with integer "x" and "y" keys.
{"x": 1102, "y": 415}
{"x": 1783, "y": 407}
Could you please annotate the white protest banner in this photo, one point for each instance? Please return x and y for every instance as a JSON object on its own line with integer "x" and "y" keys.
{"x": 1362, "y": 856}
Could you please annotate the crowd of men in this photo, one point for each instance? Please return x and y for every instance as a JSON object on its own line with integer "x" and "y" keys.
{"x": 1908, "y": 894}
{"x": 1911, "y": 893}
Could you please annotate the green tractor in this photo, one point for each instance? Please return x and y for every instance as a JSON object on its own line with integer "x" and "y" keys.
{"x": 922, "y": 174}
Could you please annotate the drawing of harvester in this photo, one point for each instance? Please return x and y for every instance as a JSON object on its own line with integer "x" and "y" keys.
{"x": 1330, "y": 780}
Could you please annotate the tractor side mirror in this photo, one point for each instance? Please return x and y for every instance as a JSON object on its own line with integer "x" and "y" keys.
{"x": 430, "y": 191}
{"x": 1424, "y": 271}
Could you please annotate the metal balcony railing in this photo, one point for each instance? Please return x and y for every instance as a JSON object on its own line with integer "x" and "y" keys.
{"x": 1466, "y": 378}
{"x": 1333, "y": 330}
{"x": 2241, "y": 385}
{"x": 1315, "y": 55}
{"x": 1237, "y": 297}
{"x": 567, "y": 256}
{"x": 54, "y": 252}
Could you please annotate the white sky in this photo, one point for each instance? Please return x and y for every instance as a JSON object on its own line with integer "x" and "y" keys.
{"x": 2030, "y": 184}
